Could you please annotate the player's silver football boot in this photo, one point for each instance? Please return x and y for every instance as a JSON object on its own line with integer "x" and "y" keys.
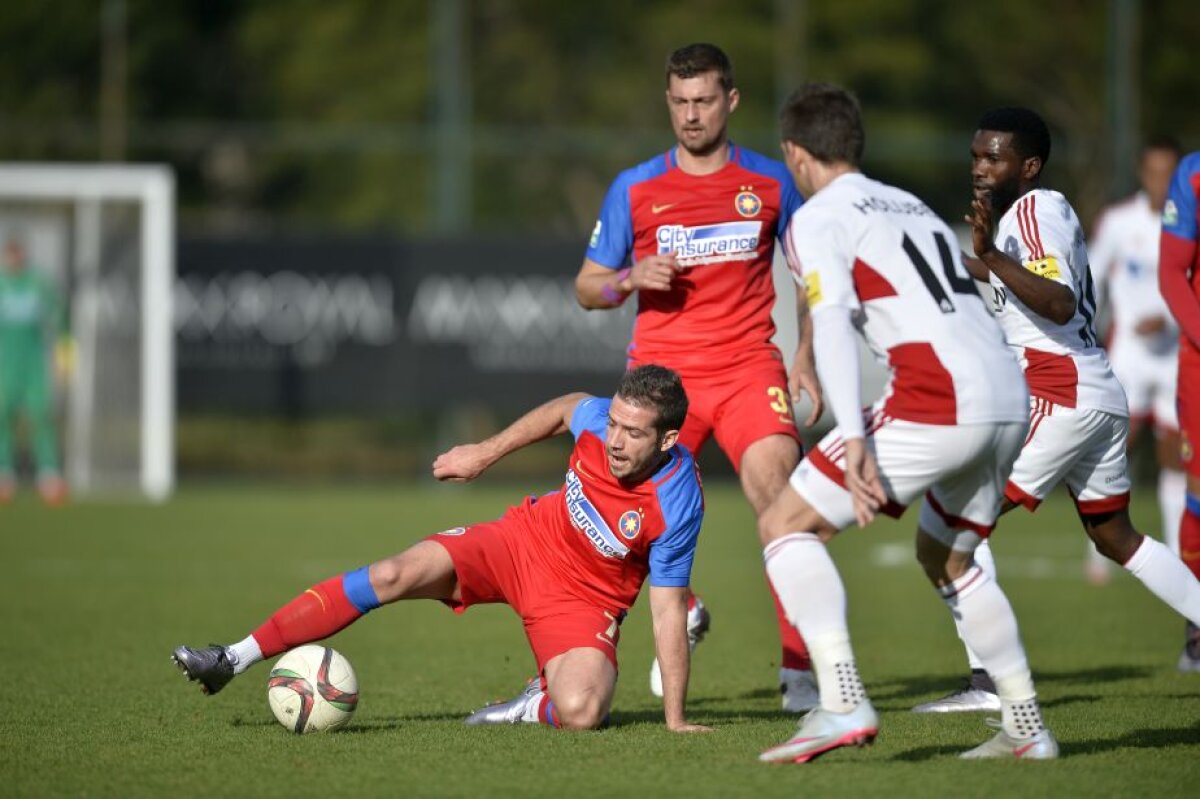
{"x": 210, "y": 666}
{"x": 509, "y": 712}
{"x": 1189, "y": 659}
{"x": 698, "y": 622}
{"x": 822, "y": 731}
{"x": 978, "y": 693}
{"x": 799, "y": 689}
{"x": 1042, "y": 746}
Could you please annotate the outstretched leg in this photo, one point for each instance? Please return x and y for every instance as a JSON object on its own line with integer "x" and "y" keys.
{"x": 424, "y": 571}
{"x": 1146, "y": 559}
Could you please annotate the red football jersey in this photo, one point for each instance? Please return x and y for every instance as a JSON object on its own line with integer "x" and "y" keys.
{"x": 603, "y": 538}
{"x": 723, "y": 226}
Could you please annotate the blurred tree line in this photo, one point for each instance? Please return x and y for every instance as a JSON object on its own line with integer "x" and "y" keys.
{"x": 444, "y": 116}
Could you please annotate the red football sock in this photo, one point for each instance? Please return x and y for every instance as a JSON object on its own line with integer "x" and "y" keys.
{"x": 1189, "y": 535}
{"x": 795, "y": 651}
{"x": 317, "y": 613}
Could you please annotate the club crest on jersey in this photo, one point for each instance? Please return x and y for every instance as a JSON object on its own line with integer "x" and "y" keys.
{"x": 630, "y": 524}
{"x": 1170, "y": 216}
{"x": 747, "y": 203}
{"x": 588, "y": 520}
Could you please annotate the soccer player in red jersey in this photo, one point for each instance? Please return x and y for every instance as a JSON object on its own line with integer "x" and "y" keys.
{"x": 570, "y": 563}
{"x": 1179, "y": 278}
{"x": 691, "y": 232}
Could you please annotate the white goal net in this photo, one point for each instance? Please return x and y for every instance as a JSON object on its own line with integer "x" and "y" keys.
{"x": 105, "y": 234}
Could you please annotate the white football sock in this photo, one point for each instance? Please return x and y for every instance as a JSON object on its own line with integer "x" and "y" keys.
{"x": 1172, "y": 491}
{"x": 244, "y": 654}
{"x": 987, "y": 625}
{"x": 814, "y": 601}
{"x": 1167, "y": 578}
{"x": 986, "y": 561}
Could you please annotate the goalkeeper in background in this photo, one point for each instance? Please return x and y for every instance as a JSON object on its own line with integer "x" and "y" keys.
{"x": 30, "y": 310}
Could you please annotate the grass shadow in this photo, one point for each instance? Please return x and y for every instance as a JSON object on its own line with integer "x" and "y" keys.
{"x": 920, "y": 687}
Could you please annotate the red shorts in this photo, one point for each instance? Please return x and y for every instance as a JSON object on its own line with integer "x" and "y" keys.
{"x": 740, "y": 405}
{"x": 1188, "y": 405}
{"x": 493, "y": 564}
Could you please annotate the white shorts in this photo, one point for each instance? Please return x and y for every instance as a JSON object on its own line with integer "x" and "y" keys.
{"x": 961, "y": 469}
{"x": 1081, "y": 447}
{"x": 1149, "y": 382}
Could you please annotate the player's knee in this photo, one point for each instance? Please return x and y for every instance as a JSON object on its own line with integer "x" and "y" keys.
{"x": 580, "y": 710}
{"x": 1115, "y": 539}
{"x": 386, "y": 576}
{"x": 391, "y": 577}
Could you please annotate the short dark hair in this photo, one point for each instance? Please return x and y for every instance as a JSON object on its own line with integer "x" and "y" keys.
{"x": 1030, "y": 136}
{"x": 1162, "y": 141}
{"x": 696, "y": 59}
{"x": 825, "y": 120}
{"x": 657, "y": 387}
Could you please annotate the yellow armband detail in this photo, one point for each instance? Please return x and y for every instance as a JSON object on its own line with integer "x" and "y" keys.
{"x": 812, "y": 287}
{"x": 1046, "y": 267}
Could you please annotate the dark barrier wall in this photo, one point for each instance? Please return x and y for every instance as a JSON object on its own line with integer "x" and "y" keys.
{"x": 306, "y": 326}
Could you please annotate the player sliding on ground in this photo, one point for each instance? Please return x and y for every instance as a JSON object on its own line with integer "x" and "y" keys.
{"x": 570, "y": 563}
{"x": 1037, "y": 264}
{"x": 951, "y": 422}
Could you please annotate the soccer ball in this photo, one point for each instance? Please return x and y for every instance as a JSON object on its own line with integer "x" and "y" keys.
{"x": 312, "y": 689}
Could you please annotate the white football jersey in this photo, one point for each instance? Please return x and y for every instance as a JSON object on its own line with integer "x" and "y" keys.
{"x": 883, "y": 254}
{"x": 1124, "y": 260}
{"x": 1063, "y": 363}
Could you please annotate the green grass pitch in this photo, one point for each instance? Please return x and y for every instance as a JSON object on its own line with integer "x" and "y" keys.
{"x": 96, "y": 595}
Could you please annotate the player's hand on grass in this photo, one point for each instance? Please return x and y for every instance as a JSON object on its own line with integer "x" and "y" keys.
{"x": 980, "y": 220}
{"x": 655, "y": 272}
{"x": 862, "y": 480}
{"x": 462, "y": 463}
{"x": 685, "y": 726}
{"x": 803, "y": 380}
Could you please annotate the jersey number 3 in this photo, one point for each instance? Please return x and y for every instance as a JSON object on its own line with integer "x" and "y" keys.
{"x": 959, "y": 284}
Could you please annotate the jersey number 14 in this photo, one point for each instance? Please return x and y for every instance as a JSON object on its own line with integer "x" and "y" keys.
{"x": 959, "y": 283}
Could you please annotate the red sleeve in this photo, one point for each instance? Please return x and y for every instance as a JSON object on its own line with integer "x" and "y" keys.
{"x": 1175, "y": 258}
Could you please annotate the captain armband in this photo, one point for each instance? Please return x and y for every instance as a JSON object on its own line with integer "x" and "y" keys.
{"x": 1045, "y": 267}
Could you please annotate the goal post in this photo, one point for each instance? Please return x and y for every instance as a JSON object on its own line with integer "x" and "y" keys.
{"x": 118, "y": 259}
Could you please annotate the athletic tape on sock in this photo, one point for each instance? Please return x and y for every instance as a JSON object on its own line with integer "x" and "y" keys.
{"x": 358, "y": 589}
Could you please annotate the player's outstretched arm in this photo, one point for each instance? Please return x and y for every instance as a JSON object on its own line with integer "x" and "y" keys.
{"x": 1043, "y": 296}
{"x": 1175, "y": 258}
{"x": 468, "y": 461}
{"x": 668, "y": 606}
{"x": 802, "y": 379}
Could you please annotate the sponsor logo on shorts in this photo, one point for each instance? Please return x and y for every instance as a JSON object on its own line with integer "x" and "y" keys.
{"x": 453, "y": 531}
{"x": 588, "y": 520}
{"x": 747, "y": 203}
{"x": 710, "y": 244}
{"x": 630, "y": 524}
